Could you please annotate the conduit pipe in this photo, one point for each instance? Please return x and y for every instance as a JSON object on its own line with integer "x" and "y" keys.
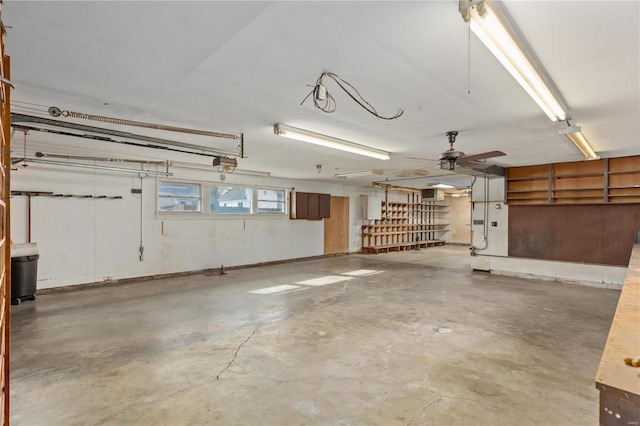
{"x": 56, "y": 112}
{"x": 160, "y": 143}
{"x": 91, "y": 166}
{"x": 114, "y": 160}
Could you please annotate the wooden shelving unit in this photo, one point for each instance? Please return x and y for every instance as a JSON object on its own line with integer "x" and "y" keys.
{"x": 528, "y": 185}
{"x": 614, "y": 180}
{"x": 623, "y": 180}
{"x": 406, "y": 225}
{"x": 578, "y": 182}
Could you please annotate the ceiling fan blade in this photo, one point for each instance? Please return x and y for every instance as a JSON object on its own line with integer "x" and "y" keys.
{"x": 481, "y": 156}
{"x": 475, "y": 164}
{"x": 422, "y": 159}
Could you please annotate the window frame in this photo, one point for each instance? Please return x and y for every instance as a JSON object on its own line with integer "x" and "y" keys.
{"x": 205, "y": 200}
{"x": 200, "y": 197}
{"x": 252, "y": 199}
{"x": 285, "y": 198}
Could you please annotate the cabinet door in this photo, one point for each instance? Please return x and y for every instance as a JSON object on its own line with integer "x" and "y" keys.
{"x": 324, "y": 206}
{"x": 314, "y": 206}
{"x": 299, "y": 205}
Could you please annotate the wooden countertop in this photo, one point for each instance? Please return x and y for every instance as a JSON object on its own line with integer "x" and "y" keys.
{"x": 624, "y": 335}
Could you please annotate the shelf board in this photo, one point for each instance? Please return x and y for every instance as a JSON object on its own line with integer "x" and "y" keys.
{"x": 624, "y": 187}
{"x": 521, "y": 179}
{"x": 527, "y": 198}
{"x": 403, "y": 225}
{"x": 622, "y": 172}
{"x": 527, "y": 191}
{"x": 577, "y": 196}
{"x": 579, "y": 175}
{"x": 623, "y": 195}
{"x": 382, "y": 234}
{"x": 579, "y": 189}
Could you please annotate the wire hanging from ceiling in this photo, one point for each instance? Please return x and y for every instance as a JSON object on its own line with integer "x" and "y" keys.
{"x": 325, "y": 102}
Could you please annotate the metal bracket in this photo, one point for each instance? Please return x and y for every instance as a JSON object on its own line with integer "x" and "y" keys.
{"x": 464, "y": 7}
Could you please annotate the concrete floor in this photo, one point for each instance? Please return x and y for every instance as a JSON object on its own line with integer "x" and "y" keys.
{"x": 419, "y": 339}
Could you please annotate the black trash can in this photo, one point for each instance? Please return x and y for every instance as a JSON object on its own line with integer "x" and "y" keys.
{"x": 24, "y": 274}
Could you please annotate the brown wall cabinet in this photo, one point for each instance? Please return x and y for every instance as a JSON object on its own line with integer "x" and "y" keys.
{"x": 310, "y": 206}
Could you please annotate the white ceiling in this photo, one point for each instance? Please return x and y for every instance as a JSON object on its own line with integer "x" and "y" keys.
{"x": 244, "y": 66}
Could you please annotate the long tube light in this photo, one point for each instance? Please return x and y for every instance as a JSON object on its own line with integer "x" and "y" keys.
{"x": 492, "y": 27}
{"x": 329, "y": 142}
{"x": 582, "y": 144}
{"x": 359, "y": 173}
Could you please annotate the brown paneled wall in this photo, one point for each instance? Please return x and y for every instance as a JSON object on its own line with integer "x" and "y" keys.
{"x": 599, "y": 233}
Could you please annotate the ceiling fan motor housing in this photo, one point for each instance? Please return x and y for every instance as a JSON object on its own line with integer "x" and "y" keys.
{"x": 451, "y": 156}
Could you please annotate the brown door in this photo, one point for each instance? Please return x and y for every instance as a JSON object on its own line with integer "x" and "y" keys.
{"x": 336, "y": 227}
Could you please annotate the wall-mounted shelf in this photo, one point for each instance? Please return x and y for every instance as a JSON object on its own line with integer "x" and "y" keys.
{"x": 613, "y": 180}
{"x": 405, "y": 226}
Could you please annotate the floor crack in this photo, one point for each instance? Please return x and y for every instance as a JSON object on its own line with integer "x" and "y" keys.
{"x": 471, "y": 400}
{"x": 424, "y": 409}
{"x": 235, "y": 355}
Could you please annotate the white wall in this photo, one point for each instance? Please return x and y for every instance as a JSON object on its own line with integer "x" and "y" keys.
{"x": 84, "y": 240}
{"x": 487, "y": 204}
{"x": 492, "y": 246}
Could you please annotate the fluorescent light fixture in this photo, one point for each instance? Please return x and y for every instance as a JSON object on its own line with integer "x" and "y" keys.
{"x": 581, "y": 143}
{"x": 251, "y": 172}
{"x": 492, "y": 27}
{"x": 574, "y": 134}
{"x": 329, "y": 142}
{"x": 359, "y": 173}
{"x": 442, "y": 185}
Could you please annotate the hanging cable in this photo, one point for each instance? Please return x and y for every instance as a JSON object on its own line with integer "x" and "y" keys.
{"x": 325, "y": 102}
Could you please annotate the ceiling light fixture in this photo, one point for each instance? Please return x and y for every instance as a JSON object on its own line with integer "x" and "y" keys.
{"x": 329, "y": 142}
{"x": 574, "y": 134}
{"x": 491, "y": 26}
{"x": 442, "y": 185}
{"x": 359, "y": 173}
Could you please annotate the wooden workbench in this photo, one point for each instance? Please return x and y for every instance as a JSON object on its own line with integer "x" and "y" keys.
{"x": 618, "y": 383}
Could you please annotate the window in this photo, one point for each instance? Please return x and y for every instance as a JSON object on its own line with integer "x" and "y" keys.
{"x": 178, "y": 197}
{"x": 230, "y": 199}
{"x": 271, "y": 201}
{"x": 194, "y": 197}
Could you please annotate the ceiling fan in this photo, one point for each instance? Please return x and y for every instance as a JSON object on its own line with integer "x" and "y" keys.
{"x": 453, "y": 157}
